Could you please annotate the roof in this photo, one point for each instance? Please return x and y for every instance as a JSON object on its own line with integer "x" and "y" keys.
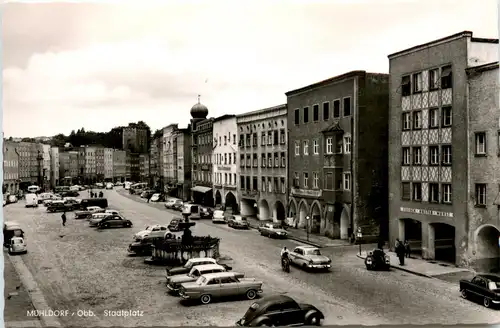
{"x": 264, "y": 110}
{"x": 219, "y": 274}
{"x": 307, "y": 246}
{"x": 482, "y": 68}
{"x": 204, "y": 267}
{"x": 323, "y": 83}
{"x": 223, "y": 117}
{"x": 280, "y": 298}
{"x": 200, "y": 259}
{"x": 449, "y": 38}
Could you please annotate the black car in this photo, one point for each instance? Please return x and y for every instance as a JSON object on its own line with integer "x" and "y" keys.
{"x": 484, "y": 288}
{"x": 206, "y": 213}
{"x": 62, "y": 206}
{"x": 114, "y": 221}
{"x": 280, "y": 310}
{"x": 377, "y": 260}
{"x": 143, "y": 246}
{"x": 101, "y": 202}
{"x": 174, "y": 225}
{"x": 71, "y": 193}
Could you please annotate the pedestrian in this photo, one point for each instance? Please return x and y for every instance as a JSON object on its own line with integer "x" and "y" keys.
{"x": 101, "y": 194}
{"x": 407, "y": 249}
{"x": 63, "y": 217}
{"x": 400, "y": 251}
{"x": 149, "y": 198}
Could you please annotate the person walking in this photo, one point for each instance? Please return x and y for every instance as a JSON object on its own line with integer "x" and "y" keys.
{"x": 63, "y": 217}
{"x": 101, "y": 194}
{"x": 407, "y": 249}
{"x": 400, "y": 251}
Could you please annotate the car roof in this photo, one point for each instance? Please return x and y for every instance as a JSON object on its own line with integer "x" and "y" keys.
{"x": 219, "y": 274}
{"x": 307, "y": 247}
{"x": 17, "y": 238}
{"x": 490, "y": 276}
{"x": 11, "y": 225}
{"x": 202, "y": 259}
{"x": 272, "y": 299}
{"x": 204, "y": 267}
{"x": 98, "y": 215}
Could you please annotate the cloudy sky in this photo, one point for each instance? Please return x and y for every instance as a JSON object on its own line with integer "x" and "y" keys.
{"x": 68, "y": 65}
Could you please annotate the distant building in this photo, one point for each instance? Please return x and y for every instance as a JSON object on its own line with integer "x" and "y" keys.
{"x": 90, "y": 164}
{"x": 128, "y": 167}
{"x": 119, "y": 165}
{"x": 262, "y": 187}
{"x": 108, "y": 164}
{"x": 183, "y": 164}
{"x": 36, "y": 163}
{"x": 135, "y": 138}
{"x": 156, "y": 160}
{"x": 225, "y": 158}
{"x": 23, "y": 148}
{"x": 99, "y": 163}
{"x": 46, "y": 173}
{"x": 170, "y": 157}
{"x": 54, "y": 166}
{"x": 135, "y": 166}
{"x": 10, "y": 167}
{"x": 144, "y": 167}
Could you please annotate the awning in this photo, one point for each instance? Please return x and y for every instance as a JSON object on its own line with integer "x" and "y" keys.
{"x": 201, "y": 189}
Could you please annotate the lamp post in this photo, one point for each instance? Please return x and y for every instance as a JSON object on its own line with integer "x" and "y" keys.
{"x": 307, "y": 226}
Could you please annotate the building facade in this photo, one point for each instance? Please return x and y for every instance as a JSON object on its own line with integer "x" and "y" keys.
{"x": 154, "y": 160}
{"x": 144, "y": 167}
{"x": 225, "y": 162}
{"x": 99, "y": 163}
{"x": 135, "y": 138}
{"x": 23, "y": 148}
{"x": 10, "y": 167}
{"x": 90, "y": 164}
{"x": 108, "y": 164}
{"x": 183, "y": 164}
{"x": 128, "y": 167}
{"x": 441, "y": 181}
{"x": 135, "y": 166}
{"x": 46, "y": 166}
{"x": 119, "y": 165}
{"x": 262, "y": 185}
{"x": 81, "y": 164}
{"x": 337, "y": 170}
{"x": 36, "y": 163}
{"x": 170, "y": 157}
{"x": 54, "y": 166}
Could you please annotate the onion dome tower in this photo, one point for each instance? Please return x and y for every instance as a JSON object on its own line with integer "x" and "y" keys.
{"x": 199, "y": 111}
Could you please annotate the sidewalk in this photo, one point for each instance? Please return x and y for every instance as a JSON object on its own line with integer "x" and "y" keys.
{"x": 17, "y": 299}
{"x": 428, "y": 269}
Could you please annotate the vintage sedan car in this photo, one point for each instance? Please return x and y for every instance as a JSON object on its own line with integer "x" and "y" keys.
{"x": 280, "y": 310}
{"x": 309, "y": 257}
{"x": 218, "y": 217}
{"x": 219, "y": 285}
{"x": 169, "y": 203}
{"x": 109, "y": 185}
{"x": 483, "y": 287}
{"x": 238, "y": 222}
{"x": 114, "y": 221}
{"x": 88, "y": 212}
{"x": 143, "y": 246}
{"x": 17, "y": 245}
{"x": 186, "y": 268}
{"x": 206, "y": 213}
{"x": 377, "y": 260}
{"x": 156, "y": 197}
{"x": 174, "y": 225}
{"x": 62, "y": 206}
{"x": 156, "y": 230}
{"x": 273, "y": 230}
{"x": 174, "y": 282}
{"x": 114, "y": 212}
{"x": 178, "y": 205}
{"x": 96, "y": 218}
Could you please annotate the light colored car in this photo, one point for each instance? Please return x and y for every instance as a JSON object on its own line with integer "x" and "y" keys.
{"x": 109, "y": 185}
{"x": 309, "y": 257}
{"x": 218, "y": 217}
{"x": 189, "y": 265}
{"x": 169, "y": 203}
{"x": 114, "y": 212}
{"x": 238, "y": 222}
{"x": 155, "y": 198}
{"x": 31, "y": 200}
{"x": 96, "y": 218}
{"x": 218, "y": 285}
{"x": 17, "y": 245}
{"x": 152, "y": 231}
{"x": 273, "y": 230}
{"x": 88, "y": 212}
{"x": 174, "y": 282}
{"x": 13, "y": 199}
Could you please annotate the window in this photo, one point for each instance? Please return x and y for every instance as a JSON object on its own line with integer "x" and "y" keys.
{"x": 306, "y": 115}
{"x": 433, "y": 117}
{"x": 255, "y": 160}
{"x": 339, "y": 147}
{"x": 417, "y": 191}
{"x": 263, "y": 139}
{"x": 249, "y": 164}
{"x": 306, "y": 179}
{"x": 406, "y": 121}
{"x": 347, "y": 106}
{"x": 269, "y": 138}
{"x": 434, "y": 155}
{"x": 447, "y": 119}
{"x": 275, "y": 139}
{"x": 306, "y": 147}
{"x": 417, "y": 120}
{"x": 417, "y": 82}
{"x": 248, "y": 186}
{"x": 417, "y": 155}
{"x": 242, "y": 182}
{"x": 406, "y": 156}
{"x": 269, "y": 160}
{"x": 263, "y": 160}
{"x": 283, "y": 185}
{"x": 269, "y": 185}
{"x": 446, "y": 77}
{"x": 234, "y": 158}
{"x": 315, "y": 113}
{"x": 498, "y": 143}
{"x": 315, "y": 147}
{"x": 434, "y": 192}
{"x": 446, "y": 193}
{"x": 276, "y": 160}
{"x": 446, "y": 155}
{"x": 315, "y": 180}
{"x": 329, "y": 145}
{"x": 329, "y": 181}
{"x": 336, "y": 108}
{"x": 234, "y": 139}
{"x": 297, "y": 116}
{"x": 263, "y": 184}
{"x": 347, "y": 181}
{"x": 406, "y": 86}
{"x": 405, "y": 193}
{"x": 283, "y": 160}
{"x": 296, "y": 179}
{"x": 480, "y": 143}
{"x": 225, "y": 140}
{"x": 255, "y": 186}
{"x": 225, "y": 178}
{"x": 347, "y": 145}
{"x": 242, "y": 140}
{"x": 225, "y": 159}
{"x": 297, "y": 148}
{"x": 326, "y": 111}
{"x": 481, "y": 194}
{"x": 434, "y": 79}
{"x": 254, "y": 136}
{"x": 282, "y": 136}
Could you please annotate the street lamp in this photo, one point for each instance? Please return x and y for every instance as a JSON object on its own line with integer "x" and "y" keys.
{"x": 307, "y": 226}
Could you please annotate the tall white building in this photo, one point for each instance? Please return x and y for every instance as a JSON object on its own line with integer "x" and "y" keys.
{"x": 46, "y": 164}
{"x": 225, "y": 161}
{"x": 54, "y": 166}
{"x": 170, "y": 155}
{"x": 108, "y": 163}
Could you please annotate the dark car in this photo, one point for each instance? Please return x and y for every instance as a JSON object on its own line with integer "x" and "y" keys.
{"x": 483, "y": 287}
{"x": 11, "y": 229}
{"x": 114, "y": 221}
{"x": 143, "y": 246}
{"x": 174, "y": 225}
{"x": 206, "y": 213}
{"x": 280, "y": 310}
{"x": 377, "y": 260}
{"x": 62, "y": 206}
{"x": 192, "y": 262}
{"x": 101, "y": 202}
{"x": 71, "y": 193}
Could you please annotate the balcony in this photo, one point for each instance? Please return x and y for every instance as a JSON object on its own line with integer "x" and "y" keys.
{"x": 250, "y": 193}
{"x": 310, "y": 193}
{"x": 333, "y": 160}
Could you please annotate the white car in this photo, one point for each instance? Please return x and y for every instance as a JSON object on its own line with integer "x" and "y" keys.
{"x": 218, "y": 217}
{"x": 114, "y": 212}
{"x": 17, "y": 245}
{"x": 155, "y": 198}
{"x": 109, "y": 185}
{"x": 152, "y": 230}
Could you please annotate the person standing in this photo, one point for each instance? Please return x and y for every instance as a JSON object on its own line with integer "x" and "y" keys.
{"x": 63, "y": 217}
{"x": 400, "y": 251}
{"x": 407, "y": 249}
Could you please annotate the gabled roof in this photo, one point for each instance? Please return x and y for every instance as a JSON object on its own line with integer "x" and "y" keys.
{"x": 335, "y": 127}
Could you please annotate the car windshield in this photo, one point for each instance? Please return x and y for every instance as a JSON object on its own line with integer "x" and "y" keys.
{"x": 251, "y": 310}
{"x": 188, "y": 264}
{"x": 18, "y": 241}
{"x": 313, "y": 252}
{"x": 492, "y": 285}
{"x": 201, "y": 281}
{"x": 194, "y": 273}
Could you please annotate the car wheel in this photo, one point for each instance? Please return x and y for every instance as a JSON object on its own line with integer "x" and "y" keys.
{"x": 487, "y": 302}
{"x": 205, "y": 299}
{"x": 251, "y": 294}
{"x": 314, "y": 320}
{"x": 265, "y": 324}
{"x": 106, "y": 225}
{"x": 463, "y": 293}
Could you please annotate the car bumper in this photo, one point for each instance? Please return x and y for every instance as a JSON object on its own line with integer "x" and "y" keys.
{"x": 172, "y": 288}
{"x": 218, "y": 220}
{"x": 280, "y": 236}
{"x": 18, "y": 250}
{"x": 319, "y": 266}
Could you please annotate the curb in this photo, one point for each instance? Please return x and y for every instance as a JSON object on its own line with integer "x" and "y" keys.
{"x": 403, "y": 269}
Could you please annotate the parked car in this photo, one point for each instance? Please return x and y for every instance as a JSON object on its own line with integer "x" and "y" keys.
{"x": 109, "y": 185}
{"x": 178, "y": 205}
{"x": 146, "y": 194}
{"x": 157, "y": 197}
{"x": 280, "y": 310}
{"x": 189, "y": 265}
{"x": 17, "y": 245}
{"x": 70, "y": 193}
{"x": 206, "y": 213}
{"x": 193, "y": 211}
{"x": 115, "y": 212}
{"x": 101, "y": 202}
{"x": 143, "y": 246}
{"x": 221, "y": 284}
{"x": 238, "y": 222}
{"x": 62, "y": 206}
{"x": 152, "y": 231}
{"x": 88, "y": 212}
{"x": 169, "y": 203}
{"x": 174, "y": 282}
{"x": 309, "y": 257}
{"x": 11, "y": 229}
{"x": 273, "y": 230}
{"x": 174, "y": 225}
{"x": 99, "y": 185}
{"x": 96, "y": 218}
{"x": 13, "y": 199}
{"x": 31, "y": 200}
{"x": 377, "y": 260}
{"x": 483, "y": 287}
{"x": 114, "y": 221}
{"x": 218, "y": 217}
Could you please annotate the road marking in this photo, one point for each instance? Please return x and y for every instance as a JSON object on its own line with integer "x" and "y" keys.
{"x": 26, "y": 323}
{"x": 36, "y": 296}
